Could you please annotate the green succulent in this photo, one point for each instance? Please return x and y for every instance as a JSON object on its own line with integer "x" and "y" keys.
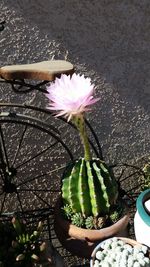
{"x": 95, "y": 223}
{"x": 146, "y": 178}
{"x": 117, "y": 212}
{"x": 90, "y": 222}
{"x": 67, "y": 210}
{"x": 114, "y": 216}
{"x": 77, "y": 219}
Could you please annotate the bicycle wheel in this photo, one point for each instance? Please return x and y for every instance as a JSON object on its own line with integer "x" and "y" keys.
{"x": 32, "y": 158}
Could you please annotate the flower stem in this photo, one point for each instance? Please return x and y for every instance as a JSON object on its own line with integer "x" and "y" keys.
{"x": 79, "y": 122}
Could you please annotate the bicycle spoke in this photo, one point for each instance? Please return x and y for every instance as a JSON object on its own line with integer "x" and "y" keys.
{"x": 18, "y": 197}
{"x": 38, "y": 190}
{"x": 41, "y": 175}
{"x": 3, "y": 202}
{"x": 1, "y": 190}
{"x": 120, "y": 176}
{"x": 133, "y": 188}
{"x": 133, "y": 173}
{"x": 19, "y": 145}
{"x": 96, "y": 139}
{"x": 45, "y": 202}
{"x": 2, "y": 175}
{"x": 38, "y": 154}
{"x": 3, "y": 147}
{"x": 22, "y": 172}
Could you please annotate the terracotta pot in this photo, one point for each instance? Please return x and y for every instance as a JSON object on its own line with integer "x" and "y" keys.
{"x": 80, "y": 241}
{"x": 126, "y": 240}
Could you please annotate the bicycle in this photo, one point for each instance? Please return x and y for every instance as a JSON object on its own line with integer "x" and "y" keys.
{"x": 29, "y": 135}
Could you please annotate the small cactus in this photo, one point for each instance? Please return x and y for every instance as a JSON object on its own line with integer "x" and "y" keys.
{"x": 67, "y": 211}
{"x": 100, "y": 222}
{"x": 95, "y": 223}
{"x": 77, "y": 219}
{"x": 117, "y": 212}
{"x": 114, "y": 216}
{"x": 146, "y": 179}
{"x": 90, "y": 222}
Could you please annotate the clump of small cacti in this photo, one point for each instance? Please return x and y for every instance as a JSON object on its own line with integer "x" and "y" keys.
{"x": 115, "y": 252}
{"x": 19, "y": 245}
{"x": 77, "y": 219}
{"x": 95, "y": 223}
{"x": 27, "y": 246}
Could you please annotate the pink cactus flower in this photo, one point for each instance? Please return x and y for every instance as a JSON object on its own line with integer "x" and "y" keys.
{"x": 71, "y": 95}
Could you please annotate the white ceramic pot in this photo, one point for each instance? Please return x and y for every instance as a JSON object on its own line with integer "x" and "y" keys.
{"x": 142, "y": 218}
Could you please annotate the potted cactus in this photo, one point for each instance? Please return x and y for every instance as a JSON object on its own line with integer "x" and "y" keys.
{"x": 90, "y": 193}
{"x": 20, "y": 245}
{"x": 120, "y": 252}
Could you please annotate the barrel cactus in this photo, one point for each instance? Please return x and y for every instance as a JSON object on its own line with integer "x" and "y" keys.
{"x": 89, "y": 188}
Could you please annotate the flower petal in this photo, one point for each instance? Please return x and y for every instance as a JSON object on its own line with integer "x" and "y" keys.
{"x": 71, "y": 95}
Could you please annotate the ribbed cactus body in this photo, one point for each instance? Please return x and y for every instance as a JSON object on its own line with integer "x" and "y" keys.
{"x": 89, "y": 187}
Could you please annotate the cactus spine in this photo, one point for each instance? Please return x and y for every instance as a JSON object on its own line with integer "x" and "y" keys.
{"x": 89, "y": 187}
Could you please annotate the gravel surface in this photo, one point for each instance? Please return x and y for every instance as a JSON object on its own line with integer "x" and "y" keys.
{"x": 105, "y": 40}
